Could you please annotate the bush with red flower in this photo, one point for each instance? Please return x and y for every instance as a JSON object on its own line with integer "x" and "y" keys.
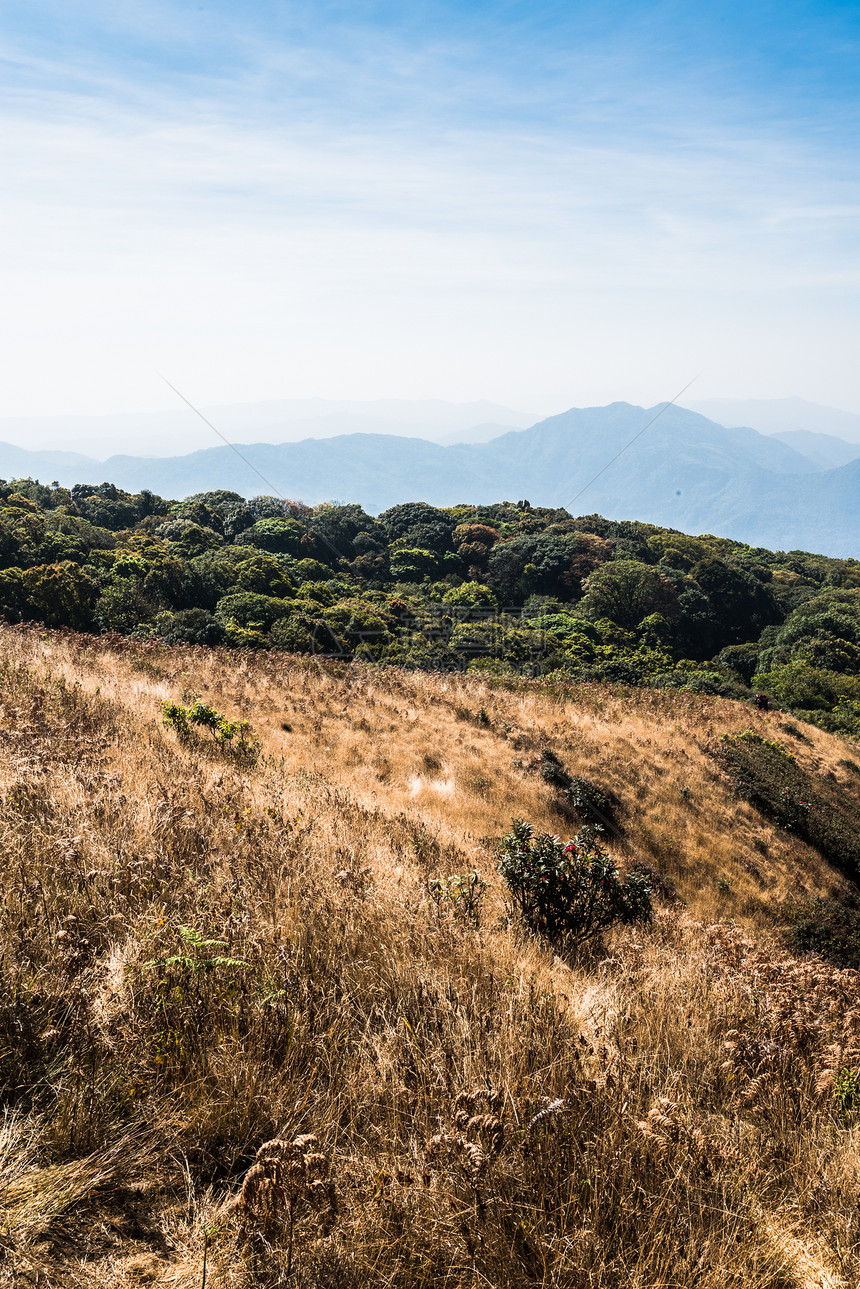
{"x": 570, "y": 893}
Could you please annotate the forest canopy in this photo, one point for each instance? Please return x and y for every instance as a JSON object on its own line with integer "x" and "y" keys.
{"x": 509, "y": 588}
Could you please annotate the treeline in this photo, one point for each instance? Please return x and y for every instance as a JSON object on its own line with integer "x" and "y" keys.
{"x": 508, "y": 587}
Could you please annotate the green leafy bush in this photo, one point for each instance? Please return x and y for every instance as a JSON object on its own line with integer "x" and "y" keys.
{"x": 198, "y": 715}
{"x": 570, "y": 893}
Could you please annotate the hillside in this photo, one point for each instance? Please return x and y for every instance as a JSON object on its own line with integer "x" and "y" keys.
{"x": 685, "y": 472}
{"x": 204, "y": 950}
{"x": 507, "y": 588}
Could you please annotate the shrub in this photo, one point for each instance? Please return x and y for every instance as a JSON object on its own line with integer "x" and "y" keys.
{"x": 750, "y": 736}
{"x": 591, "y": 803}
{"x": 828, "y": 928}
{"x": 187, "y": 720}
{"x": 807, "y": 804}
{"x": 571, "y": 893}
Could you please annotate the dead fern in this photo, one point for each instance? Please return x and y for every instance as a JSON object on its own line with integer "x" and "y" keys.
{"x": 476, "y": 1136}
{"x": 284, "y": 1176}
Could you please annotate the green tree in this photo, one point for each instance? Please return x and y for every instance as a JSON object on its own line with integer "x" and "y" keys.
{"x": 799, "y": 686}
{"x": 122, "y": 606}
{"x": 740, "y": 605}
{"x": 419, "y": 525}
{"x": 190, "y": 626}
{"x": 263, "y": 575}
{"x": 409, "y": 564}
{"x": 250, "y": 610}
{"x": 336, "y": 529}
{"x": 60, "y": 595}
{"x": 533, "y": 564}
{"x": 12, "y": 600}
{"x": 626, "y": 591}
{"x": 277, "y": 536}
{"x": 470, "y": 595}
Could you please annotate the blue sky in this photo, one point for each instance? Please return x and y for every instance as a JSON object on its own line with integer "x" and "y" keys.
{"x": 540, "y": 204}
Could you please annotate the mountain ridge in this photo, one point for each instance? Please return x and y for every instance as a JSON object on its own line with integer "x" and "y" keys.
{"x": 270, "y": 421}
{"x": 777, "y": 415}
{"x": 685, "y": 472}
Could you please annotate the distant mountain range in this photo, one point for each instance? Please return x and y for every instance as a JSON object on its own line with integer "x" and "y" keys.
{"x": 824, "y": 450}
{"x": 685, "y": 472}
{"x": 180, "y": 430}
{"x": 781, "y": 415}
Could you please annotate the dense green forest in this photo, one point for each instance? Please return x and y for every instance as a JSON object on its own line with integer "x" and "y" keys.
{"x": 508, "y": 588}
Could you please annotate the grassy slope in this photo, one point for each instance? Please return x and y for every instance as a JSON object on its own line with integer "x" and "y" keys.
{"x": 699, "y": 1141}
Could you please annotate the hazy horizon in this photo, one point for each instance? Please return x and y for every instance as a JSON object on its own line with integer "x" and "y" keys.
{"x": 180, "y": 430}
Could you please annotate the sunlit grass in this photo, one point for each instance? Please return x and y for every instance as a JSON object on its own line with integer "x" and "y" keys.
{"x": 201, "y": 956}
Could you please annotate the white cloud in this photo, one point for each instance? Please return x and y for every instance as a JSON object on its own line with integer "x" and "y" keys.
{"x": 268, "y": 248}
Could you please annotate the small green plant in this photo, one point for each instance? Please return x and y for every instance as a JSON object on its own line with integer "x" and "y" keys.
{"x": 462, "y": 892}
{"x": 846, "y": 1093}
{"x": 571, "y": 893}
{"x": 191, "y": 960}
{"x": 192, "y": 983}
{"x": 186, "y": 720}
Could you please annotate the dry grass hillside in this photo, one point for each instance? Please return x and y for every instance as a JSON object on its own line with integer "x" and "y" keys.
{"x": 202, "y": 954}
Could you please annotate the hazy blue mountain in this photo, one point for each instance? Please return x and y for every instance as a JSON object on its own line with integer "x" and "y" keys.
{"x": 179, "y": 430}
{"x": 675, "y": 465}
{"x": 475, "y": 434}
{"x": 824, "y": 450}
{"x": 775, "y": 415}
{"x": 820, "y": 513}
{"x": 684, "y": 472}
{"x": 65, "y": 467}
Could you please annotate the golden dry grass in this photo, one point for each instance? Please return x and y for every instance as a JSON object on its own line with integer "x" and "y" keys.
{"x": 699, "y": 1138}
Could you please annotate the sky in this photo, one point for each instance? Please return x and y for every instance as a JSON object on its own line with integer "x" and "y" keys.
{"x": 541, "y": 204}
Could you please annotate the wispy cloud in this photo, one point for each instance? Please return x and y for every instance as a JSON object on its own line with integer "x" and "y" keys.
{"x": 491, "y": 200}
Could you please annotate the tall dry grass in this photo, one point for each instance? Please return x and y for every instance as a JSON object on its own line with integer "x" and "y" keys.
{"x": 201, "y": 959}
